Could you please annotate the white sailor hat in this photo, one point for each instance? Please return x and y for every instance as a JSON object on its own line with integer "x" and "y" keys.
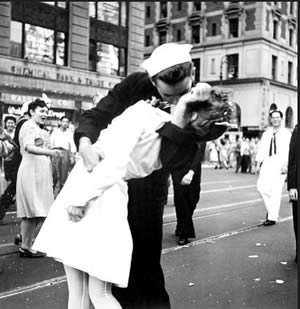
{"x": 166, "y": 56}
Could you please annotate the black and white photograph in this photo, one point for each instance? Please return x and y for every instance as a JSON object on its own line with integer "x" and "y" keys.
{"x": 149, "y": 154}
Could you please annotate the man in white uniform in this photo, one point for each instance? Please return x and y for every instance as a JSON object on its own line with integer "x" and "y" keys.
{"x": 271, "y": 165}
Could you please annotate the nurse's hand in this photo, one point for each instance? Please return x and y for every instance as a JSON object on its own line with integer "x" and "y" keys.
{"x": 75, "y": 213}
{"x": 90, "y": 157}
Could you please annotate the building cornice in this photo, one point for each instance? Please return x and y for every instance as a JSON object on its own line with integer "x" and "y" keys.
{"x": 238, "y": 81}
{"x": 225, "y": 43}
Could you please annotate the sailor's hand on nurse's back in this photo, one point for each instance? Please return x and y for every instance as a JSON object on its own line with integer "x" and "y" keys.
{"x": 88, "y": 153}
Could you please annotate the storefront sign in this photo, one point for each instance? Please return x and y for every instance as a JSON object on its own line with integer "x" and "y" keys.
{"x": 81, "y": 79}
{"x": 20, "y": 99}
{"x": 12, "y": 110}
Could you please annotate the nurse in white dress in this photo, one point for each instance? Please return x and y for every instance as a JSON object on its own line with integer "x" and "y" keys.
{"x": 130, "y": 149}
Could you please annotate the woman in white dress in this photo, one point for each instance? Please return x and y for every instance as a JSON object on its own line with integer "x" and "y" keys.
{"x": 92, "y": 204}
{"x": 34, "y": 193}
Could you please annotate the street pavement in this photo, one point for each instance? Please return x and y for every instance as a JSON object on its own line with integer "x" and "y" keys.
{"x": 234, "y": 262}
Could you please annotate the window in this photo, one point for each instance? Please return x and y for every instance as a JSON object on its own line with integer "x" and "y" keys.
{"x": 113, "y": 12}
{"x": 178, "y": 34}
{"x": 163, "y": 9}
{"x": 148, "y": 11}
{"x": 275, "y": 29}
{"x": 16, "y": 39}
{"x": 196, "y": 34}
{"x": 147, "y": 40}
{"x": 213, "y": 66}
{"x": 274, "y": 67}
{"x": 123, "y": 14}
{"x": 197, "y": 5}
{"x": 233, "y": 27}
{"x": 232, "y": 66}
{"x": 108, "y": 12}
{"x": 289, "y": 118}
{"x": 92, "y": 9}
{"x": 196, "y": 63}
{"x": 291, "y": 7}
{"x": 213, "y": 29}
{"x": 92, "y": 56}
{"x": 290, "y": 72}
{"x": 291, "y": 37}
{"x": 49, "y": 2}
{"x": 62, "y": 4}
{"x": 107, "y": 59}
{"x": 162, "y": 37}
{"x": 38, "y": 44}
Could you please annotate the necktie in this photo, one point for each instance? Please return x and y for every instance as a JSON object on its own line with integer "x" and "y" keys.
{"x": 273, "y": 141}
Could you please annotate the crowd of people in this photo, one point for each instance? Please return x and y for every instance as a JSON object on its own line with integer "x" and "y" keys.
{"x": 129, "y": 145}
{"x": 237, "y": 152}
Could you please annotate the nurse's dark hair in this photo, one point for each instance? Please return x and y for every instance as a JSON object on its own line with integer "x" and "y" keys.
{"x": 34, "y": 104}
{"x": 174, "y": 74}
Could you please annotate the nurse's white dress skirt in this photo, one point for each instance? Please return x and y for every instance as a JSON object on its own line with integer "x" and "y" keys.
{"x": 100, "y": 244}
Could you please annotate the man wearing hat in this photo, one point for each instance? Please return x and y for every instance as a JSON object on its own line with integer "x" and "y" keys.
{"x": 271, "y": 165}
{"x": 169, "y": 74}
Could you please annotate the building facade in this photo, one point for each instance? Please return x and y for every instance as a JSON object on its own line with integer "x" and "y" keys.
{"x": 250, "y": 47}
{"x": 68, "y": 50}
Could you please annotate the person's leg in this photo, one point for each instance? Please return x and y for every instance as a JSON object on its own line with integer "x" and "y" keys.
{"x": 100, "y": 294}
{"x": 55, "y": 171}
{"x": 64, "y": 167}
{"x": 295, "y": 224}
{"x": 78, "y": 288}
{"x": 146, "y": 287}
{"x": 7, "y": 198}
{"x": 264, "y": 189}
{"x": 238, "y": 163}
{"x": 180, "y": 202}
{"x": 275, "y": 198}
{"x": 27, "y": 231}
{"x": 185, "y": 200}
{"x": 38, "y": 224}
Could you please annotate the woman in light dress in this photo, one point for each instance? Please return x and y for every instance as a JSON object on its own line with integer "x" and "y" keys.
{"x": 213, "y": 154}
{"x": 34, "y": 193}
{"x": 93, "y": 204}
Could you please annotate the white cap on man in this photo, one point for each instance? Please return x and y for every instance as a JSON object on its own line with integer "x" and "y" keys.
{"x": 166, "y": 56}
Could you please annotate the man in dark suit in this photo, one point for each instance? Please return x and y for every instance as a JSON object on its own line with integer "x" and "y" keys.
{"x": 292, "y": 181}
{"x": 186, "y": 185}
